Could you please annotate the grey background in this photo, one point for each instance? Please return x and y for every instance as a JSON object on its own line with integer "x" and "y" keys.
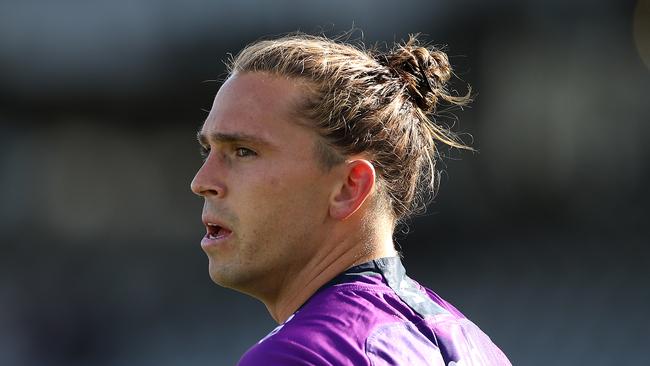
{"x": 541, "y": 238}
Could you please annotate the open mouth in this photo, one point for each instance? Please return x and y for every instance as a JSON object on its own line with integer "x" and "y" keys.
{"x": 215, "y": 231}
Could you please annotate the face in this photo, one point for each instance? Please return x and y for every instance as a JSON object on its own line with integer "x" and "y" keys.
{"x": 265, "y": 194}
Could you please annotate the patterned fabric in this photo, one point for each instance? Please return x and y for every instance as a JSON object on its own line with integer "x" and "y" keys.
{"x": 373, "y": 314}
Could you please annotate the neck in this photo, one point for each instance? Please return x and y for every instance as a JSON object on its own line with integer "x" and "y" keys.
{"x": 336, "y": 255}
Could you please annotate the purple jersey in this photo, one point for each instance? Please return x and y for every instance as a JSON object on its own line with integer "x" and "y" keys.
{"x": 373, "y": 314}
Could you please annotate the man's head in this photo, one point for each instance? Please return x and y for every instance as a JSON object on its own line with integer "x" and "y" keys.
{"x": 311, "y": 143}
{"x": 368, "y": 102}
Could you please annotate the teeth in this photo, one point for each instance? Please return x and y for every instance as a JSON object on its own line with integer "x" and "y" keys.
{"x": 211, "y": 224}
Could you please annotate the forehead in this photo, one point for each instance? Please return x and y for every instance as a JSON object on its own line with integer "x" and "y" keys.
{"x": 260, "y": 105}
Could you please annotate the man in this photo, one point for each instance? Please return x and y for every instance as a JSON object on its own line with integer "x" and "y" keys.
{"x": 314, "y": 151}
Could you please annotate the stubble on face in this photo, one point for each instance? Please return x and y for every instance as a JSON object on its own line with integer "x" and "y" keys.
{"x": 273, "y": 243}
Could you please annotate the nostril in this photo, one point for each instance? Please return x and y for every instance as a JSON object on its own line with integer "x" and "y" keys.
{"x": 205, "y": 190}
{"x": 210, "y": 192}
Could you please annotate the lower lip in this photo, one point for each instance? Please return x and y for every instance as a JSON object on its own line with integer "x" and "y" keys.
{"x": 210, "y": 241}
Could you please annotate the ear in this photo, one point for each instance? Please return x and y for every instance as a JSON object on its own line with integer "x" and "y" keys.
{"x": 359, "y": 179}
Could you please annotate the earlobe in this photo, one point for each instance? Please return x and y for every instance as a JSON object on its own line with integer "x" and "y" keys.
{"x": 356, "y": 186}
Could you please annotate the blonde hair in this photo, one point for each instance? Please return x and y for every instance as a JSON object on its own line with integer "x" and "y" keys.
{"x": 367, "y": 101}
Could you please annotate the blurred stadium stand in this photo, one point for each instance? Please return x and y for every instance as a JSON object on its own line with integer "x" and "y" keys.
{"x": 541, "y": 238}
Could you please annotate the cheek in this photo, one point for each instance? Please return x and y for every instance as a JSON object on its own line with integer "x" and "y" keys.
{"x": 287, "y": 187}
{"x": 303, "y": 194}
{"x": 278, "y": 206}
{"x": 277, "y": 194}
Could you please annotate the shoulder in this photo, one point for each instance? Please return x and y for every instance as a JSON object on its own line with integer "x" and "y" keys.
{"x": 364, "y": 323}
{"x": 330, "y": 329}
{"x": 462, "y": 341}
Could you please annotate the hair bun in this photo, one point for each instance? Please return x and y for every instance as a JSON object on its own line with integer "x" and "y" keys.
{"x": 425, "y": 72}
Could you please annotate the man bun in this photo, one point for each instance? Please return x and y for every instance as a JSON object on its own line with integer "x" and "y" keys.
{"x": 424, "y": 71}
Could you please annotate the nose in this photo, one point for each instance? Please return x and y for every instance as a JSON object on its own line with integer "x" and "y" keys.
{"x": 208, "y": 181}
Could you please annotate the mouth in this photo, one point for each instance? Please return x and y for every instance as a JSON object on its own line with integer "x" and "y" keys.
{"x": 215, "y": 231}
{"x": 216, "y": 234}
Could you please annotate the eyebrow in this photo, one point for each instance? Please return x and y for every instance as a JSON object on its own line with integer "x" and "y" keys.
{"x": 204, "y": 139}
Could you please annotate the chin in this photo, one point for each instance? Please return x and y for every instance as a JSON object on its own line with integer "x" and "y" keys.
{"x": 238, "y": 279}
{"x": 217, "y": 276}
{"x": 224, "y": 277}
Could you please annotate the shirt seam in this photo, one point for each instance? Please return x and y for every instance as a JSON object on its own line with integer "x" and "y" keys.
{"x": 371, "y": 288}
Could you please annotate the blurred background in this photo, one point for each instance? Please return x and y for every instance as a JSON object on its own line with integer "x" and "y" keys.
{"x": 541, "y": 237}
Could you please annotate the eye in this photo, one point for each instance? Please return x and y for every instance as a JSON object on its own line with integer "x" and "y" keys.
{"x": 204, "y": 151}
{"x": 244, "y": 152}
